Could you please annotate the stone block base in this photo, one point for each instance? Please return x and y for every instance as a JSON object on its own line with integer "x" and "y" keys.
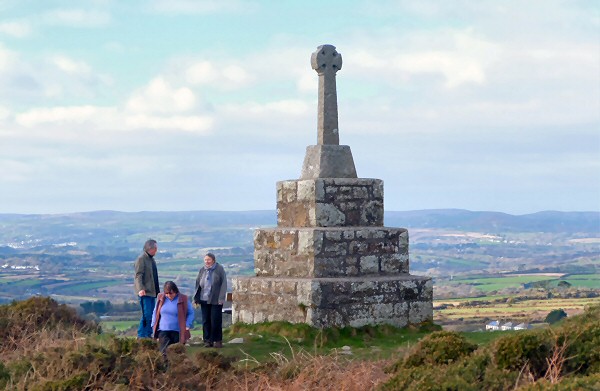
{"x": 330, "y": 202}
{"x": 330, "y": 252}
{"x": 334, "y": 302}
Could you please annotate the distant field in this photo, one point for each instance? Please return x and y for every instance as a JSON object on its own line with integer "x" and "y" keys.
{"x": 76, "y": 287}
{"x": 527, "y": 310}
{"x": 22, "y": 283}
{"x": 489, "y": 284}
{"x": 118, "y": 325}
{"x": 584, "y": 280}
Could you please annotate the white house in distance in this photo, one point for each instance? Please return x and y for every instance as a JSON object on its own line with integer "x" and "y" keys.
{"x": 522, "y": 326}
{"x": 495, "y": 325}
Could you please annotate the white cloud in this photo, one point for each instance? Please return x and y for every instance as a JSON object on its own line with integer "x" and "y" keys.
{"x": 12, "y": 170}
{"x": 190, "y": 123}
{"x": 228, "y": 77}
{"x": 458, "y": 56}
{"x": 66, "y": 122}
{"x": 115, "y": 47}
{"x": 71, "y": 66}
{"x": 61, "y": 115}
{"x": 4, "y": 113}
{"x": 236, "y": 74}
{"x": 285, "y": 107}
{"x": 306, "y": 83}
{"x": 77, "y": 18}
{"x": 159, "y": 96}
{"x": 202, "y": 72}
{"x": 17, "y": 29}
{"x": 197, "y": 7}
{"x": 7, "y": 58}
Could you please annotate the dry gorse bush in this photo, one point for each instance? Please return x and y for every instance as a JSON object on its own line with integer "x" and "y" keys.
{"x": 305, "y": 371}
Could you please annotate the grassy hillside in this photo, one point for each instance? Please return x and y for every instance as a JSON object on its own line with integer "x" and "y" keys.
{"x": 45, "y": 346}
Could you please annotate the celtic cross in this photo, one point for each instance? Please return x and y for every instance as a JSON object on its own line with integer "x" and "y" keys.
{"x": 326, "y": 61}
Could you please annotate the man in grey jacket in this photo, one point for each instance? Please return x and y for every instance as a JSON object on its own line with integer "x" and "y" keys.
{"x": 211, "y": 288}
{"x": 146, "y": 286}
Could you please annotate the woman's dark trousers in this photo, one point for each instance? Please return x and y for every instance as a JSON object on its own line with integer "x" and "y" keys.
{"x": 166, "y": 338}
{"x": 212, "y": 322}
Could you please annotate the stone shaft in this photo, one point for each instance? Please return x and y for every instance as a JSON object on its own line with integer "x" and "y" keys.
{"x": 327, "y": 61}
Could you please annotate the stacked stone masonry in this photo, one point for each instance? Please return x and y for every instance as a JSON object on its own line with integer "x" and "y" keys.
{"x": 334, "y": 302}
{"x": 330, "y": 202}
{"x": 330, "y": 252}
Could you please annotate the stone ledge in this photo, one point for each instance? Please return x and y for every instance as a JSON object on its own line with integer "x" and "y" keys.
{"x": 365, "y": 279}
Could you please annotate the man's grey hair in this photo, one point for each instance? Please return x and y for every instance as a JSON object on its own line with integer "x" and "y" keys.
{"x": 150, "y": 244}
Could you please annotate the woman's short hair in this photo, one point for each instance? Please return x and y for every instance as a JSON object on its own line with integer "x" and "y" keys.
{"x": 170, "y": 286}
{"x": 212, "y": 256}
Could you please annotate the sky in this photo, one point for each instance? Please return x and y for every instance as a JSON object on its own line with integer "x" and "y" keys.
{"x": 204, "y": 105}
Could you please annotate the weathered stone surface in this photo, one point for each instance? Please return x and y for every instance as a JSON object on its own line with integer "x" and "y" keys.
{"x": 327, "y": 61}
{"x": 328, "y": 161}
{"x": 328, "y": 302}
{"x": 330, "y": 261}
{"x": 330, "y": 252}
{"x": 329, "y": 202}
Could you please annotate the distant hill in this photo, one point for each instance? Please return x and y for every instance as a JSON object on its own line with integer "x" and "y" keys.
{"x": 458, "y": 219}
{"x": 496, "y": 222}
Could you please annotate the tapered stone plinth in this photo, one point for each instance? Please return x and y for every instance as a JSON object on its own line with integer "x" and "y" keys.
{"x": 328, "y": 161}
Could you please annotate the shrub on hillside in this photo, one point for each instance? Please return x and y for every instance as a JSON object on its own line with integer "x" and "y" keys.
{"x": 516, "y": 361}
{"x": 591, "y": 383}
{"x": 470, "y": 373}
{"x": 555, "y": 315}
{"x": 525, "y": 350}
{"x": 21, "y": 322}
{"x": 441, "y": 347}
{"x": 581, "y": 335}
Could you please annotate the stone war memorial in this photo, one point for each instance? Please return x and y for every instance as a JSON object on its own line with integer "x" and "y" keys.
{"x": 331, "y": 262}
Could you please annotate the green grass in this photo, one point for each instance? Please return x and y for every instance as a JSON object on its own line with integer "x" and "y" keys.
{"x": 370, "y": 342}
{"x": 488, "y": 284}
{"x": 87, "y": 286}
{"x": 484, "y": 337}
{"x": 583, "y": 280}
{"x": 24, "y": 283}
{"x": 118, "y": 325}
